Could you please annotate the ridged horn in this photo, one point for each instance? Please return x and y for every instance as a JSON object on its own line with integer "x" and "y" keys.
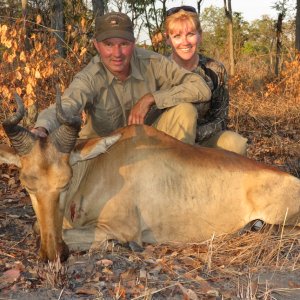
{"x": 21, "y": 139}
{"x": 64, "y": 137}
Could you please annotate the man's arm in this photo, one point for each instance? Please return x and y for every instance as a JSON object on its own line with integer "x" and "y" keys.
{"x": 74, "y": 100}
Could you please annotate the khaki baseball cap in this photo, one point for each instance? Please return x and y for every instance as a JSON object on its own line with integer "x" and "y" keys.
{"x": 113, "y": 25}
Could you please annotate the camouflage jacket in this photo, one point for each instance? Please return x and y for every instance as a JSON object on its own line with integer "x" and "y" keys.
{"x": 215, "y": 119}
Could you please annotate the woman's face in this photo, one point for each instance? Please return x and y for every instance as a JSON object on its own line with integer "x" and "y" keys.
{"x": 184, "y": 40}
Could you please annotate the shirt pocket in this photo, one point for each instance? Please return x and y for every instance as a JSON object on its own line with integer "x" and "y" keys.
{"x": 106, "y": 120}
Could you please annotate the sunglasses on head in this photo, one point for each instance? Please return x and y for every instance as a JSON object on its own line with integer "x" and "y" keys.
{"x": 174, "y": 10}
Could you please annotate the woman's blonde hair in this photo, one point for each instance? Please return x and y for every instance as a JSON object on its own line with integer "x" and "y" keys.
{"x": 180, "y": 17}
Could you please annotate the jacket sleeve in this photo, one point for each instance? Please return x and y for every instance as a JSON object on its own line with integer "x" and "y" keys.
{"x": 177, "y": 85}
{"x": 216, "y": 119}
{"x": 74, "y": 99}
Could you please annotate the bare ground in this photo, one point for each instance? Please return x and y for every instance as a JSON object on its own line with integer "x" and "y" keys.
{"x": 242, "y": 266}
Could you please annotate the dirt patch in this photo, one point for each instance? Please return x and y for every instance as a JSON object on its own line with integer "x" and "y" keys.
{"x": 248, "y": 266}
{"x": 260, "y": 265}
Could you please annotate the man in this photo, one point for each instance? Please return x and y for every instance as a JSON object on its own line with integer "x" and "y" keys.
{"x": 123, "y": 83}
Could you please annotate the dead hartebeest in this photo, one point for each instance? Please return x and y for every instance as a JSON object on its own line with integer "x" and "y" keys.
{"x": 147, "y": 187}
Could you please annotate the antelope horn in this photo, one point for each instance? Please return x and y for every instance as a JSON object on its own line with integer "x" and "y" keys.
{"x": 64, "y": 137}
{"x": 21, "y": 139}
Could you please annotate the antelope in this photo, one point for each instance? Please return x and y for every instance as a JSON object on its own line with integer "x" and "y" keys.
{"x": 139, "y": 185}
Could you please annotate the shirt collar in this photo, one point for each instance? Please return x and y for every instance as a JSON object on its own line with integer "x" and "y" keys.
{"x": 135, "y": 71}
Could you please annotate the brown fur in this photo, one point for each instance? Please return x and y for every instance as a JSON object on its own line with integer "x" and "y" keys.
{"x": 148, "y": 187}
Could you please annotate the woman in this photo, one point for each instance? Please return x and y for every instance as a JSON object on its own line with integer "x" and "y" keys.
{"x": 184, "y": 35}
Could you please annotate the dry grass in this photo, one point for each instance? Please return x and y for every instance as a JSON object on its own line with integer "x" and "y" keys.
{"x": 54, "y": 274}
{"x": 228, "y": 267}
{"x": 234, "y": 255}
{"x": 267, "y": 112}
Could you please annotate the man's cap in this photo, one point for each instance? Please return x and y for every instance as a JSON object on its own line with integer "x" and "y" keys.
{"x": 113, "y": 25}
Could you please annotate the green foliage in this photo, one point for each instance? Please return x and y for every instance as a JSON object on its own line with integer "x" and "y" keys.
{"x": 212, "y": 22}
{"x": 261, "y": 37}
{"x": 150, "y": 15}
{"x": 215, "y": 31}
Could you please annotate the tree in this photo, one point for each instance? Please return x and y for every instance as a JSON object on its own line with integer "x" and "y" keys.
{"x": 281, "y": 7}
{"x": 98, "y": 7}
{"x": 151, "y": 15}
{"x": 214, "y": 32}
{"x": 297, "y": 42}
{"x": 199, "y": 6}
{"x": 228, "y": 14}
{"x": 278, "y": 43}
{"x": 240, "y": 34}
{"x": 58, "y": 25}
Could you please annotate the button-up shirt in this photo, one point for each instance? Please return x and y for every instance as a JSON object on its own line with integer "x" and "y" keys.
{"x": 107, "y": 101}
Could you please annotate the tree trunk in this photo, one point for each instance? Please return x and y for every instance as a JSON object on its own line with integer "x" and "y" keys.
{"x": 98, "y": 7}
{"x": 199, "y": 2}
{"x": 58, "y": 25}
{"x": 278, "y": 43}
{"x": 298, "y": 27}
{"x": 228, "y": 14}
{"x": 27, "y": 46}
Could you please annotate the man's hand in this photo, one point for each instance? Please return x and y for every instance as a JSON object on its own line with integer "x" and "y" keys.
{"x": 40, "y": 131}
{"x": 140, "y": 109}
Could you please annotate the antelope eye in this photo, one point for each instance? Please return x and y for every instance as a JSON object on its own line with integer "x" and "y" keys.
{"x": 63, "y": 188}
{"x": 31, "y": 190}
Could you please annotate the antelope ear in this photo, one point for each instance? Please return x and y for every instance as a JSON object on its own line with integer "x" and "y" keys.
{"x": 9, "y": 156}
{"x": 91, "y": 148}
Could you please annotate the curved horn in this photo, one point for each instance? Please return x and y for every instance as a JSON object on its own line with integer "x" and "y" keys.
{"x": 64, "y": 138}
{"x": 21, "y": 139}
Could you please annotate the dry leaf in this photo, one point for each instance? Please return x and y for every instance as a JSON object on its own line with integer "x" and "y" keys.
{"x": 104, "y": 262}
{"x": 18, "y": 75}
{"x": 11, "y": 58}
{"x": 8, "y": 43}
{"x": 83, "y": 24}
{"x": 38, "y": 46}
{"x": 5, "y": 91}
{"x": 37, "y": 74}
{"x": 87, "y": 290}
{"x": 293, "y": 284}
{"x": 83, "y": 51}
{"x": 5, "y": 55}
{"x": 29, "y": 89}
{"x": 13, "y": 32}
{"x": 13, "y": 216}
{"x": 31, "y": 79}
{"x": 38, "y": 19}
{"x": 27, "y": 69}
{"x": 3, "y": 29}
{"x": 9, "y": 277}
{"x": 143, "y": 273}
{"x": 14, "y": 45}
{"x": 22, "y": 56}
{"x": 19, "y": 91}
{"x": 188, "y": 293}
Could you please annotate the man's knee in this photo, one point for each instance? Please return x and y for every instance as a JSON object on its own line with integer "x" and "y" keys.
{"x": 186, "y": 111}
{"x": 180, "y": 122}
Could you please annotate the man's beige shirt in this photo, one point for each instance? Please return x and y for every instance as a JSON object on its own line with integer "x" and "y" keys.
{"x": 107, "y": 101}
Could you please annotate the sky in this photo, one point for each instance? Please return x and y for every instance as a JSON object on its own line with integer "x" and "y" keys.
{"x": 250, "y": 9}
